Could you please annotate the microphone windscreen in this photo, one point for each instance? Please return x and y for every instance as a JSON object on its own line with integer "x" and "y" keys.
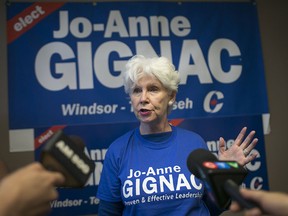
{"x": 77, "y": 141}
{"x": 214, "y": 173}
{"x": 65, "y": 154}
{"x": 52, "y": 164}
{"x": 196, "y": 158}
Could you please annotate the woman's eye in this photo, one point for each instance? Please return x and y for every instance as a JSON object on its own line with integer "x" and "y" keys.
{"x": 154, "y": 89}
{"x": 136, "y": 90}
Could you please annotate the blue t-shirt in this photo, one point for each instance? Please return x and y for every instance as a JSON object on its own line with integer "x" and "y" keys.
{"x": 152, "y": 178}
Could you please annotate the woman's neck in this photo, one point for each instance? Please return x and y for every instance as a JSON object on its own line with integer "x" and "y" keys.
{"x": 151, "y": 129}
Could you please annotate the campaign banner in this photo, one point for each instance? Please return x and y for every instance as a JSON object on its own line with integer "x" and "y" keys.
{"x": 66, "y": 60}
{"x": 98, "y": 137}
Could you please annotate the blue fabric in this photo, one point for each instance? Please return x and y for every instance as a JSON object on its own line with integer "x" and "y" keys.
{"x": 110, "y": 208}
{"x": 151, "y": 178}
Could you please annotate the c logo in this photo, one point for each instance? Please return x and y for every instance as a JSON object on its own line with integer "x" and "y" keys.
{"x": 211, "y": 101}
{"x": 256, "y": 183}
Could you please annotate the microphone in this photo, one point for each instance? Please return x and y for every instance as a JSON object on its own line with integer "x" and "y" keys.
{"x": 221, "y": 178}
{"x": 65, "y": 154}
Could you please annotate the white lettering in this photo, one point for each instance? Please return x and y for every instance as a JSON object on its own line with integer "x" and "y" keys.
{"x": 191, "y": 49}
{"x": 66, "y": 203}
{"x": 182, "y": 182}
{"x": 65, "y": 149}
{"x": 81, "y": 27}
{"x": 77, "y": 109}
{"x": 115, "y": 24}
{"x": 59, "y": 67}
{"x": 152, "y": 185}
{"x": 165, "y": 182}
{"x": 80, "y": 164}
{"x": 63, "y": 25}
{"x": 128, "y": 189}
{"x": 183, "y": 104}
{"x": 214, "y": 60}
{"x": 81, "y": 23}
{"x": 66, "y": 71}
{"x": 101, "y": 65}
{"x": 28, "y": 19}
{"x": 180, "y": 26}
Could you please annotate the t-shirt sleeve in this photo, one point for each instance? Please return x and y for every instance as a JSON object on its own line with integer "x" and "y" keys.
{"x": 110, "y": 208}
{"x": 109, "y": 186}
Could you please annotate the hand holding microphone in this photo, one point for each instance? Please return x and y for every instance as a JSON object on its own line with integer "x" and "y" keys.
{"x": 65, "y": 154}
{"x": 221, "y": 178}
{"x": 29, "y": 190}
{"x": 268, "y": 202}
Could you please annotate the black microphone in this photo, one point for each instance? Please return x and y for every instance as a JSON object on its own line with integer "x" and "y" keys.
{"x": 221, "y": 178}
{"x": 65, "y": 154}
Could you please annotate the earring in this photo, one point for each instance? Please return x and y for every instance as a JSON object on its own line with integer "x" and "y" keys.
{"x": 170, "y": 103}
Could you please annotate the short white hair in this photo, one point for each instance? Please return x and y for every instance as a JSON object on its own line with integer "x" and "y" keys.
{"x": 160, "y": 67}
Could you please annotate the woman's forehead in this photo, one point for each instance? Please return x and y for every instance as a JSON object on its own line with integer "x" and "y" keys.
{"x": 149, "y": 80}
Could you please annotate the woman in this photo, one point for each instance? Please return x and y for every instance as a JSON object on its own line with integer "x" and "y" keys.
{"x": 145, "y": 170}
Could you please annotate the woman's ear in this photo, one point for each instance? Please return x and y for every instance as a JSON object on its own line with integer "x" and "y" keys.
{"x": 172, "y": 98}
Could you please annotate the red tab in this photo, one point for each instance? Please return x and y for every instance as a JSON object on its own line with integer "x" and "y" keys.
{"x": 46, "y": 135}
{"x": 28, "y": 18}
{"x": 176, "y": 122}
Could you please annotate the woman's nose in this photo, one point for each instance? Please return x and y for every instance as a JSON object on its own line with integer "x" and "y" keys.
{"x": 144, "y": 97}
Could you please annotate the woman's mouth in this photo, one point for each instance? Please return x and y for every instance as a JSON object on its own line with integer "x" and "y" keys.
{"x": 144, "y": 111}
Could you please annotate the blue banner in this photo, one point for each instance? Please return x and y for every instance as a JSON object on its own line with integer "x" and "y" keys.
{"x": 65, "y": 60}
{"x": 98, "y": 138}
